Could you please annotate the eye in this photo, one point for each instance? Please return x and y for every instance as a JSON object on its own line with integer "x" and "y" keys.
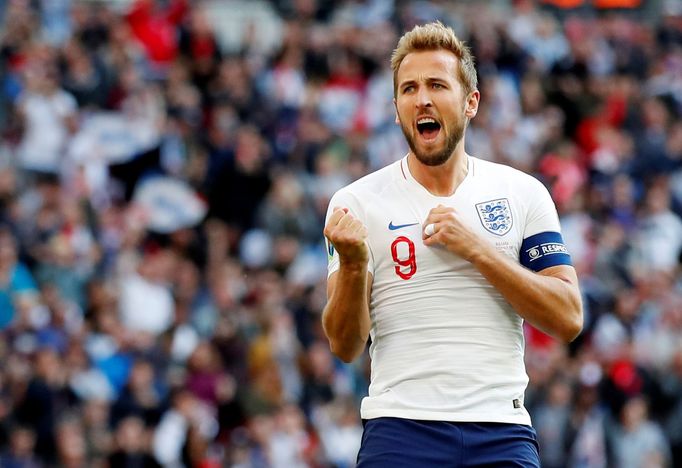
{"x": 408, "y": 89}
{"x": 437, "y": 86}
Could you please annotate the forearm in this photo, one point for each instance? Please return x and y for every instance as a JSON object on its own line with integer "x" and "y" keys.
{"x": 345, "y": 318}
{"x": 550, "y": 303}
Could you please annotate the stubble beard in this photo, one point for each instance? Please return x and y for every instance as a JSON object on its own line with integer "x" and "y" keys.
{"x": 436, "y": 158}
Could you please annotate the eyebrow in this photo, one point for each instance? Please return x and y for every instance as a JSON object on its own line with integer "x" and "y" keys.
{"x": 406, "y": 83}
{"x": 428, "y": 80}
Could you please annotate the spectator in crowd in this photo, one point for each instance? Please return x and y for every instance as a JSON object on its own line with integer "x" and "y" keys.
{"x": 203, "y": 346}
{"x": 131, "y": 445}
{"x": 18, "y": 285}
{"x": 20, "y": 451}
{"x": 639, "y": 441}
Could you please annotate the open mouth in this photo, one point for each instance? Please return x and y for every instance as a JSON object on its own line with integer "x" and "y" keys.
{"x": 428, "y": 128}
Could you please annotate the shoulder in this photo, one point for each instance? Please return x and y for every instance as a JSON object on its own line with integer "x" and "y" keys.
{"x": 493, "y": 169}
{"x": 501, "y": 174}
{"x": 65, "y": 98}
{"x": 371, "y": 185}
{"x": 22, "y": 277}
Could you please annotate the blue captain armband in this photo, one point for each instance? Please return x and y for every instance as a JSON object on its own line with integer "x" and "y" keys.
{"x": 544, "y": 250}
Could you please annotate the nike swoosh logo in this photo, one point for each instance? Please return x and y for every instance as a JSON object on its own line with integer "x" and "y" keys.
{"x": 393, "y": 227}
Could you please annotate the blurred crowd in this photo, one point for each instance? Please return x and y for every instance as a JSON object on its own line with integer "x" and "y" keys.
{"x": 180, "y": 325}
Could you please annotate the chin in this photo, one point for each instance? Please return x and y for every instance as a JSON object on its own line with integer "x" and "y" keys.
{"x": 433, "y": 158}
{"x": 437, "y": 155}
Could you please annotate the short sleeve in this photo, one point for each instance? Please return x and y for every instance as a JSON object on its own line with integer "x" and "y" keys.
{"x": 541, "y": 215}
{"x": 542, "y": 246}
{"x": 344, "y": 199}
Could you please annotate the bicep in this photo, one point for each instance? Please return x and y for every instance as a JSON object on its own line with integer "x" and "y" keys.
{"x": 565, "y": 273}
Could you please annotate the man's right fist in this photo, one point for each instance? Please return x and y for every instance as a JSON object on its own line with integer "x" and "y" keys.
{"x": 348, "y": 236}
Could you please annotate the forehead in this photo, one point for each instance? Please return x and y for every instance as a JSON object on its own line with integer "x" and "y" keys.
{"x": 431, "y": 63}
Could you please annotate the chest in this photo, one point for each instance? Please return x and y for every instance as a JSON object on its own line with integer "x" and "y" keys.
{"x": 395, "y": 225}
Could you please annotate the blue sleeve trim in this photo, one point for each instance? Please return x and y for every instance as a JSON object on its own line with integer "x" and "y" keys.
{"x": 544, "y": 250}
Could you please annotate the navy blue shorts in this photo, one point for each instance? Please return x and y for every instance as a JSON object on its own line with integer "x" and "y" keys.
{"x": 396, "y": 442}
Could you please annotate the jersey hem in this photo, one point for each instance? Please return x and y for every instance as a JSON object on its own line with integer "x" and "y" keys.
{"x": 523, "y": 419}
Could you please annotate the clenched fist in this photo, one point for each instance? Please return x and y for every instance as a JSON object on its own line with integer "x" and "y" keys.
{"x": 348, "y": 236}
{"x": 443, "y": 226}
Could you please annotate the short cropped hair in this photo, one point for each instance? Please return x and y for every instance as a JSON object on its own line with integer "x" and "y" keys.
{"x": 435, "y": 36}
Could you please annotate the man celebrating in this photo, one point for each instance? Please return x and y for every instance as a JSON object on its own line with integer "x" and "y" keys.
{"x": 439, "y": 258}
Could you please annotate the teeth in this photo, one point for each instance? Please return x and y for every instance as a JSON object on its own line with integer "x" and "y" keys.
{"x": 425, "y": 120}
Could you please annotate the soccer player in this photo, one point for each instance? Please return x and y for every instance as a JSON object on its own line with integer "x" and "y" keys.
{"x": 439, "y": 258}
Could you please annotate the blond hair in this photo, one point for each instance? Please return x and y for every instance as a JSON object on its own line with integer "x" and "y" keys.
{"x": 435, "y": 36}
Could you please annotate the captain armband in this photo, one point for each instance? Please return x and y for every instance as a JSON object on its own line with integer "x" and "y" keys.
{"x": 544, "y": 250}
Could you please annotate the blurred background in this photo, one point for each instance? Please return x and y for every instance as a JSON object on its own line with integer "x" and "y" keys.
{"x": 165, "y": 167}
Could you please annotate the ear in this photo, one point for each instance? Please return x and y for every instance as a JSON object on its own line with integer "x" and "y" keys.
{"x": 397, "y": 117}
{"x": 472, "y": 104}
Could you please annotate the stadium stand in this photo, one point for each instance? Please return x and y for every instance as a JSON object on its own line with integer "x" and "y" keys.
{"x": 165, "y": 167}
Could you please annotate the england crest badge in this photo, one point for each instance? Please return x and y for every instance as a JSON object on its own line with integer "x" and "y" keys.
{"x": 495, "y": 215}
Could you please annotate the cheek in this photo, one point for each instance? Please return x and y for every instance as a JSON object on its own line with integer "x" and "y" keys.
{"x": 402, "y": 117}
{"x": 401, "y": 110}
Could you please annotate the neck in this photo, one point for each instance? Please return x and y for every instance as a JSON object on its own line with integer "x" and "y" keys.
{"x": 443, "y": 180}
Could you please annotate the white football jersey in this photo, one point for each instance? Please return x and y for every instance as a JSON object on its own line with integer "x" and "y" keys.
{"x": 445, "y": 345}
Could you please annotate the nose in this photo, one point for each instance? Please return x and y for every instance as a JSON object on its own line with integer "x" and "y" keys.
{"x": 423, "y": 97}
